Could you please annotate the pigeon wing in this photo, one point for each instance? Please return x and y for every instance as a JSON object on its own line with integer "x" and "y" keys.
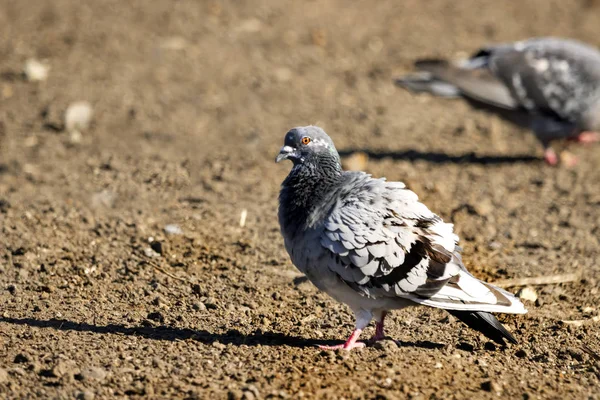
{"x": 558, "y": 78}
{"x": 381, "y": 240}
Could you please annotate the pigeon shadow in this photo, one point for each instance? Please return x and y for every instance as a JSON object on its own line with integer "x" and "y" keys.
{"x": 234, "y": 337}
{"x": 441, "y": 158}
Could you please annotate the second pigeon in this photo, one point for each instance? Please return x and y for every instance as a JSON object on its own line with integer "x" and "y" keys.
{"x": 553, "y": 84}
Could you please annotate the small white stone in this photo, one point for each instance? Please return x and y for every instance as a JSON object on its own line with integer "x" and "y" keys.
{"x": 105, "y": 198}
{"x": 148, "y": 252}
{"x": 527, "y": 293}
{"x": 243, "y": 216}
{"x": 78, "y": 116}
{"x": 173, "y": 229}
{"x": 35, "y": 71}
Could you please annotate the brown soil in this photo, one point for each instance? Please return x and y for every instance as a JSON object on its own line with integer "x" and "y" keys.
{"x": 192, "y": 100}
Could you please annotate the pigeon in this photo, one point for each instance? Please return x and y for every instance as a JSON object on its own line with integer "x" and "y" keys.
{"x": 553, "y": 83}
{"x": 372, "y": 245}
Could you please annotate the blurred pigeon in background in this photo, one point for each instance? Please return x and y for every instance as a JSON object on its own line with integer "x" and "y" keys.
{"x": 555, "y": 82}
{"x": 372, "y": 245}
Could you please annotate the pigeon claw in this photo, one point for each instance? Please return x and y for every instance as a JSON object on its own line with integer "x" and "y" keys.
{"x": 550, "y": 156}
{"x": 344, "y": 346}
{"x": 350, "y": 344}
{"x": 588, "y": 137}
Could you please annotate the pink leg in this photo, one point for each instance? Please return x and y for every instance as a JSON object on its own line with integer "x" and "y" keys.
{"x": 550, "y": 156}
{"x": 350, "y": 344}
{"x": 379, "y": 335}
{"x": 588, "y": 137}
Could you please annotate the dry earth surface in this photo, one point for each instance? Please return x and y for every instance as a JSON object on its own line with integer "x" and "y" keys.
{"x": 100, "y": 299}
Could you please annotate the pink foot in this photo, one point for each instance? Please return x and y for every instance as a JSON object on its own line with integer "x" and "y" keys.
{"x": 588, "y": 137}
{"x": 350, "y": 344}
{"x": 379, "y": 334}
{"x": 550, "y": 156}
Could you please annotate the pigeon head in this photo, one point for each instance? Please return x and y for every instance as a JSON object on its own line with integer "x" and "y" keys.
{"x": 307, "y": 144}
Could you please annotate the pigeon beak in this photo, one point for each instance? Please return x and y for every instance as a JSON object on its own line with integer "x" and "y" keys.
{"x": 285, "y": 153}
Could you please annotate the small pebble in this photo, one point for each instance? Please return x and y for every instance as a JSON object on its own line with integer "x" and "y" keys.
{"x": 78, "y": 116}
{"x": 254, "y": 390}
{"x": 248, "y": 395}
{"x": 527, "y": 293}
{"x": 219, "y": 345}
{"x": 491, "y": 386}
{"x": 495, "y": 245}
{"x": 63, "y": 368}
{"x": 243, "y": 216}
{"x": 235, "y": 395}
{"x": 173, "y": 229}
{"x": 86, "y": 395}
{"x": 539, "y": 302}
{"x": 386, "y": 345}
{"x": 149, "y": 252}
{"x": 3, "y": 375}
{"x": 105, "y": 198}
{"x": 156, "y": 316}
{"x": 48, "y": 288}
{"x": 93, "y": 373}
{"x": 35, "y": 71}
{"x": 211, "y": 304}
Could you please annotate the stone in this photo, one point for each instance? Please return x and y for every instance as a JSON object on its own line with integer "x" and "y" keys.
{"x": 527, "y": 293}
{"x": 93, "y": 374}
{"x": 35, "y": 71}
{"x": 86, "y": 395}
{"x": 78, "y": 116}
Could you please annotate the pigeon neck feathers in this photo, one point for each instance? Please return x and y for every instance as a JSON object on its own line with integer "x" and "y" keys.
{"x": 306, "y": 190}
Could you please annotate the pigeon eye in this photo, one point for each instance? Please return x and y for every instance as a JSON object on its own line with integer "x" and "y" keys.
{"x": 305, "y": 140}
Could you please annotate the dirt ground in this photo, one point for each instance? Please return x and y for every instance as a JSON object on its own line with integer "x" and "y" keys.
{"x": 191, "y": 102}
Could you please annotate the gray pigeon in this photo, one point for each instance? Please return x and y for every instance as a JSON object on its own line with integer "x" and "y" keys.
{"x": 372, "y": 245}
{"x": 553, "y": 83}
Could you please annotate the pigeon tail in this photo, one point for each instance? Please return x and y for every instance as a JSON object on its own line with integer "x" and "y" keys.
{"x": 466, "y": 293}
{"x": 470, "y": 78}
{"x": 426, "y": 82}
{"x": 485, "y": 323}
